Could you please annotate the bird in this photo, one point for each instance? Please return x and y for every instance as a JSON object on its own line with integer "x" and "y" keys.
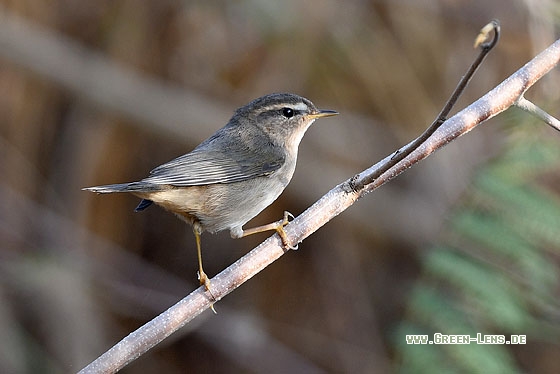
{"x": 234, "y": 174}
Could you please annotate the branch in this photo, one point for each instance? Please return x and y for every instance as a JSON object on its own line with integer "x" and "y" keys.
{"x": 337, "y": 200}
{"x": 402, "y": 153}
{"x": 528, "y": 106}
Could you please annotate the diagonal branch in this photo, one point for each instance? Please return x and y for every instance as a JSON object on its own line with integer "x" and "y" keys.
{"x": 329, "y": 206}
{"x": 528, "y": 106}
{"x": 403, "y": 153}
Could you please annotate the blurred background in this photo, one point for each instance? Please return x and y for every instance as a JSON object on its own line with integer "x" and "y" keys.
{"x": 467, "y": 242}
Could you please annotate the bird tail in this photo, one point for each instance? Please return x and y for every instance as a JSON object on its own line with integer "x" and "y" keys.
{"x": 110, "y": 188}
{"x": 125, "y": 187}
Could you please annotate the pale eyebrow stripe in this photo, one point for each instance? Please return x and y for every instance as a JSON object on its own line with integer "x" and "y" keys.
{"x": 301, "y": 107}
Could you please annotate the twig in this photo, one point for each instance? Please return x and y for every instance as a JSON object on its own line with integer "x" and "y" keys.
{"x": 530, "y": 107}
{"x": 400, "y": 154}
{"x": 329, "y": 206}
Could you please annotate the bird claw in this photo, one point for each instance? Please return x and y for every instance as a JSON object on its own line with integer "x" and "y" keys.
{"x": 280, "y": 230}
{"x": 205, "y": 281}
{"x": 286, "y": 219}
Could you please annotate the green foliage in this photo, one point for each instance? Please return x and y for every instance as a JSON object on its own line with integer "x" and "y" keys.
{"x": 494, "y": 272}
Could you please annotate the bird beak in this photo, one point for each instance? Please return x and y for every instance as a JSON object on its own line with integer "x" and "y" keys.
{"x": 322, "y": 113}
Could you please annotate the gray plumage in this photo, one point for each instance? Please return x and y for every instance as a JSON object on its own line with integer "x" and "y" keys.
{"x": 234, "y": 174}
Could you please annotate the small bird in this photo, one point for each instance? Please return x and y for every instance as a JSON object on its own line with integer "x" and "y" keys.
{"x": 234, "y": 174}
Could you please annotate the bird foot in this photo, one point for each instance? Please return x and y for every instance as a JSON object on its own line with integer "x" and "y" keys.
{"x": 280, "y": 230}
{"x": 205, "y": 281}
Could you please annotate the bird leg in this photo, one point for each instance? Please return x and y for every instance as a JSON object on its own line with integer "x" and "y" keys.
{"x": 202, "y": 277}
{"x": 277, "y": 226}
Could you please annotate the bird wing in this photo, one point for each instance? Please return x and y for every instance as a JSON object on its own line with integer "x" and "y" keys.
{"x": 208, "y": 166}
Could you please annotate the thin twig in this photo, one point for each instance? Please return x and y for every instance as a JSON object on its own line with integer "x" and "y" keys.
{"x": 530, "y": 107}
{"x": 329, "y": 206}
{"x": 402, "y": 153}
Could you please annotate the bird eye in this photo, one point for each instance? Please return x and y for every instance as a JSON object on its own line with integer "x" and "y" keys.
{"x": 288, "y": 112}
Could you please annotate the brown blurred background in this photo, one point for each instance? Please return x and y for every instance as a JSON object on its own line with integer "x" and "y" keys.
{"x": 97, "y": 92}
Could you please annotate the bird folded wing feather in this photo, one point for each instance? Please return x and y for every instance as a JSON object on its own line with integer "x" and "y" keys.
{"x": 204, "y": 167}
